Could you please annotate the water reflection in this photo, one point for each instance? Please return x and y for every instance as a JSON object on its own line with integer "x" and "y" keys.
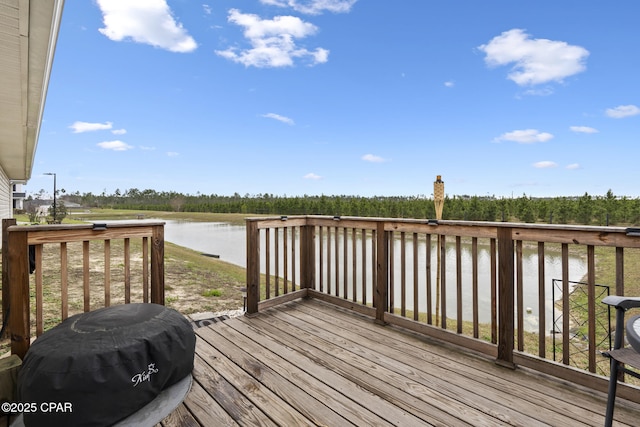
{"x": 214, "y": 238}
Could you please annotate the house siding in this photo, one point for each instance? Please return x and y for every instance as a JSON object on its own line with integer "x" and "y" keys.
{"x": 6, "y": 196}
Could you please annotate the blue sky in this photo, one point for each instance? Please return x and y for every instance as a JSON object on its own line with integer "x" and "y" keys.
{"x": 344, "y": 97}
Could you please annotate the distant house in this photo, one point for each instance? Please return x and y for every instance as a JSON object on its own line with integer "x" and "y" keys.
{"x": 18, "y": 195}
{"x": 28, "y": 35}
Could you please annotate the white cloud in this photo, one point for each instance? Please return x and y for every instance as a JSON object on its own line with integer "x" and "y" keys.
{"x": 583, "y": 129}
{"x": 172, "y": 153}
{"x": 207, "y": 9}
{"x": 144, "y": 21}
{"x": 546, "y": 164}
{"x": 535, "y": 61}
{"x": 119, "y": 131}
{"x": 525, "y": 136}
{"x": 273, "y": 41}
{"x": 573, "y": 166}
{"x": 79, "y": 127}
{"x": 280, "y": 118}
{"x": 622, "y": 111}
{"x": 115, "y": 145}
{"x": 313, "y": 7}
{"x": 312, "y": 176}
{"x": 450, "y": 83}
{"x": 373, "y": 158}
{"x": 545, "y": 91}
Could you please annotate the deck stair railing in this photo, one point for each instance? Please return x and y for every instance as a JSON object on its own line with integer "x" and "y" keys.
{"x": 378, "y": 265}
{"x": 23, "y": 249}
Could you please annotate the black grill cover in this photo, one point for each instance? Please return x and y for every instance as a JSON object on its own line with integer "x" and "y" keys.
{"x": 107, "y": 364}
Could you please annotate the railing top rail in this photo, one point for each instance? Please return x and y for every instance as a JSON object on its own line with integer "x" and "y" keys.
{"x": 567, "y": 227}
{"x": 58, "y": 233}
{"x": 550, "y": 233}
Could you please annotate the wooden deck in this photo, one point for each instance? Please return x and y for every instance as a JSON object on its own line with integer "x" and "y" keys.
{"x": 311, "y": 363}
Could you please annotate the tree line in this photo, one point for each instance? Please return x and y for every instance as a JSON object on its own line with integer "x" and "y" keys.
{"x": 586, "y": 209}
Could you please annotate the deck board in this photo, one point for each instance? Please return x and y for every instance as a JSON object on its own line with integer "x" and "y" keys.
{"x": 308, "y": 362}
{"x": 365, "y": 374}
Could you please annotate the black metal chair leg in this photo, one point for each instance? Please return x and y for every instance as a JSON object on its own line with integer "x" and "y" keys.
{"x": 611, "y": 399}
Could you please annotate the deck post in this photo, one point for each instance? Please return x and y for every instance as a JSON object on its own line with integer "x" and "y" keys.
{"x": 157, "y": 265}
{"x": 6, "y": 223}
{"x": 19, "y": 316}
{"x": 382, "y": 269}
{"x": 253, "y": 267}
{"x": 308, "y": 256}
{"x": 506, "y": 308}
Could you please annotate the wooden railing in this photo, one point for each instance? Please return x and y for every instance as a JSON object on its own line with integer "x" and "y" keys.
{"x": 20, "y": 243}
{"x": 377, "y": 267}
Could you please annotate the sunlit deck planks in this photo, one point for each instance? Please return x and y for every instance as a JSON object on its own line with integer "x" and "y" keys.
{"x": 311, "y": 363}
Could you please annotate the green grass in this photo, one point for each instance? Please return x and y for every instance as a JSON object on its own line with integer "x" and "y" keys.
{"x": 212, "y": 293}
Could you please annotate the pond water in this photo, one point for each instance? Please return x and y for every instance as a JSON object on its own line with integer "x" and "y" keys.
{"x": 229, "y": 243}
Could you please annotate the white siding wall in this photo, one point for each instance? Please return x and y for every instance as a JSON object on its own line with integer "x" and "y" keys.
{"x": 6, "y": 200}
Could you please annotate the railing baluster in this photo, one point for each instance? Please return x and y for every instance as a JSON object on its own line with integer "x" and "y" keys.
{"x": 337, "y": 260}
{"x": 278, "y": 261}
{"x": 494, "y": 294}
{"x": 127, "y": 271}
{"x": 591, "y": 306}
{"x": 321, "y": 261}
{"x": 565, "y": 303}
{"x": 285, "y": 256}
{"x": 64, "y": 281}
{"x": 428, "y": 281}
{"x": 86, "y": 276}
{"x": 542, "y": 318}
{"x": 519, "y": 289}
{"x": 459, "y": 284}
{"x": 374, "y": 270}
{"x": 267, "y": 254}
{"x": 620, "y": 271}
{"x": 354, "y": 265}
{"x": 39, "y": 296}
{"x": 329, "y": 260}
{"x": 293, "y": 259}
{"x": 145, "y": 269}
{"x": 443, "y": 282}
{"x": 364, "y": 266}
{"x": 345, "y": 276}
{"x": 403, "y": 276}
{"x": 392, "y": 272}
{"x": 474, "y": 285}
{"x": 276, "y": 239}
{"x": 107, "y": 273}
{"x": 416, "y": 308}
